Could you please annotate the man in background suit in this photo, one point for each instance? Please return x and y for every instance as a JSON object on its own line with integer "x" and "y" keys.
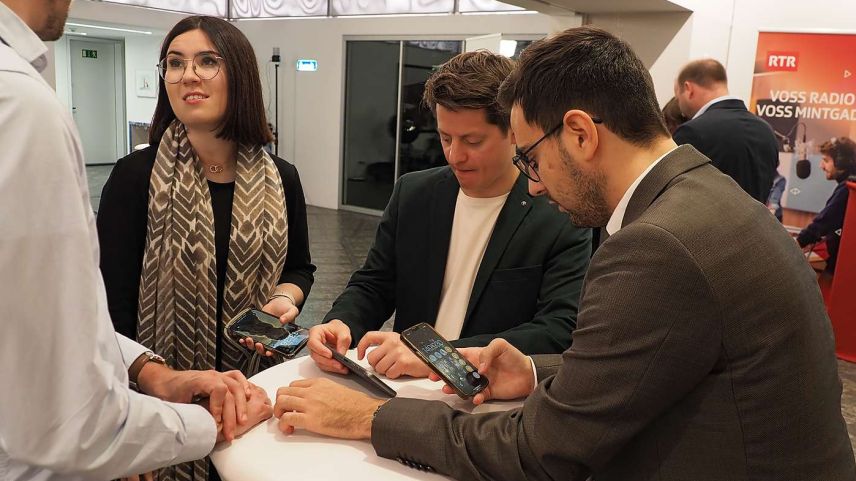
{"x": 462, "y": 247}
{"x": 736, "y": 141}
{"x": 703, "y": 350}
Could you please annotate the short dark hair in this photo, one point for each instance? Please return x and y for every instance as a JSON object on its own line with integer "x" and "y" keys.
{"x": 842, "y": 151}
{"x": 245, "y": 121}
{"x": 589, "y": 69}
{"x": 704, "y": 72}
{"x": 470, "y": 80}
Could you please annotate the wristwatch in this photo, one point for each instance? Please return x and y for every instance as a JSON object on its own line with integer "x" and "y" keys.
{"x": 137, "y": 366}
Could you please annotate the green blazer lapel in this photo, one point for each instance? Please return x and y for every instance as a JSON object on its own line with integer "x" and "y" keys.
{"x": 675, "y": 163}
{"x": 442, "y": 212}
{"x": 518, "y": 204}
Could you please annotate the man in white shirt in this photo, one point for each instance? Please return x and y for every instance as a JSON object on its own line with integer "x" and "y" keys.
{"x": 739, "y": 143}
{"x": 462, "y": 247}
{"x": 691, "y": 361}
{"x": 66, "y": 409}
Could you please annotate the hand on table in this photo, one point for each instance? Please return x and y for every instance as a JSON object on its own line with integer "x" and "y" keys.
{"x": 335, "y": 333}
{"x": 508, "y": 370}
{"x": 259, "y": 409}
{"x": 324, "y": 407}
{"x": 391, "y": 357}
{"x": 226, "y": 392}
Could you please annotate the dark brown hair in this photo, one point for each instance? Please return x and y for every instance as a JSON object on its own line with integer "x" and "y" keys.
{"x": 245, "y": 121}
{"x": 842, "y": 151}
{"x": 589, "y": 69}
{"x": 470, "y": 81}
{"x": 672, "y": 115}
{"x": 704, "y": 72}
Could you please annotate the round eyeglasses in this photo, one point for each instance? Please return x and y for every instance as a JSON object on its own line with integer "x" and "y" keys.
{"x": 206, "y": 66}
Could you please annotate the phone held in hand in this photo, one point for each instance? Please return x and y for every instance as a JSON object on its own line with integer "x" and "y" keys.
{"x": 444, "y": 360}
{"x": 366, "y": 377}
{"x": 287, "y": 339}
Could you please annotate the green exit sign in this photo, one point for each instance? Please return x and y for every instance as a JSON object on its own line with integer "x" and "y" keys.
{"x": 90, "y": 53}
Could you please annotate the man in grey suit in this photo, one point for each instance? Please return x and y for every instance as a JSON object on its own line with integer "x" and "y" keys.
{"x": 703, "y": 350}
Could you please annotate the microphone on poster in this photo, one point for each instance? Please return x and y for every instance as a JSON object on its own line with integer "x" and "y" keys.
{"x": 803, "y": 166}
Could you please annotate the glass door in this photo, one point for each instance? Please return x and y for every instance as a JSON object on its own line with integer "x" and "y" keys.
{"x": 382, "y": 79}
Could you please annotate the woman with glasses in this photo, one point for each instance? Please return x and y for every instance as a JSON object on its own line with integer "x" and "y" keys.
{"x": 204, "y": 222}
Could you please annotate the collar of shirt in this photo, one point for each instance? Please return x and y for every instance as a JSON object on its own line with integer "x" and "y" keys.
{"x": 617, "y": 217}
{"x": 707, "y": 105}
{"x": 17, "y": 35}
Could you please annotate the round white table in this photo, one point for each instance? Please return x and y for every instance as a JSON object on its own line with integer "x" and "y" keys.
{"x": 266, "y": 454}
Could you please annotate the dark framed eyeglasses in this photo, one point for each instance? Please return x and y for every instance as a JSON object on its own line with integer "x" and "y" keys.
{"x": 528, "y": 166}
{"x": 206, "y": 66}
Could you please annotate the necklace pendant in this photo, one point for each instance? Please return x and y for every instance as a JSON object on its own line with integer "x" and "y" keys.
{"x": 215, "y": 169}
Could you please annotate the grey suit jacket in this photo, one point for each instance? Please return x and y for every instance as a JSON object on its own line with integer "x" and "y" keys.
{"x": 703, "y": 352}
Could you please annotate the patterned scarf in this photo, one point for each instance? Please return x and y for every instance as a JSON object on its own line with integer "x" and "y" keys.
{"x": 178, "y": 288}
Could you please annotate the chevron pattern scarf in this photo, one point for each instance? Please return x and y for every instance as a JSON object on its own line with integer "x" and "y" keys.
{"x": 178, "y": 288}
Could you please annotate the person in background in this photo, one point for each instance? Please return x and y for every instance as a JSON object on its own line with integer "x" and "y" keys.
{"x": 774, "y": 201}
{"x": 838, "y": 162}
{"x": 67, "y": 411}
{"x": 673, "y": 116}
{"x": 203, "y": 223}
{"x": 737, "y": 142}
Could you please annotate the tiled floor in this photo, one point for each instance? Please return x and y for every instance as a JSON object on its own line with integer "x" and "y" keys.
{"x": 339, "y": 243}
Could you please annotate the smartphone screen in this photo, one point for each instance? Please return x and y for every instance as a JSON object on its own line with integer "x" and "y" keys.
{"x": 262, "y": 327}
{"x": 444, "y": 360}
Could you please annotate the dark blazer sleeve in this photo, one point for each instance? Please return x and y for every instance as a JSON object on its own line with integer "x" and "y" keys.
{"x": 122, "y": 219}
{"x": 648, "y": 332}
{"x": 298, "y": 268}
{"x": 830, "y": 219}
{"x": 555, "y": 319}
{"x": 369, "y": 298}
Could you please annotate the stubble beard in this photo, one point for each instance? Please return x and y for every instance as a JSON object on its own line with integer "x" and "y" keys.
{"x": 591, "y": 209}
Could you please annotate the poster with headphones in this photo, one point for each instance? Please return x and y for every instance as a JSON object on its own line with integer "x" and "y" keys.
{"x": 804, "y": 86}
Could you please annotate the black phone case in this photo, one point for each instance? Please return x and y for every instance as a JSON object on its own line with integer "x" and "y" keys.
{"x": 368, "y": 378}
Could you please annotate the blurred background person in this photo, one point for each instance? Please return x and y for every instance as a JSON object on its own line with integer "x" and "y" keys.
{"x": 838, "y": 162}
{"x": 204, "y": 222}
{"x": 738, "y": 143}
{"x": 672, "y": 114}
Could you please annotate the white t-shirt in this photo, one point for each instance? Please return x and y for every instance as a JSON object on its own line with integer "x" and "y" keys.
{"x": 471, "y": 229}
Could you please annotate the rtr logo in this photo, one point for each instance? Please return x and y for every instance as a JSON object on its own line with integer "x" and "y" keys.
{"x": 782, "y": 61}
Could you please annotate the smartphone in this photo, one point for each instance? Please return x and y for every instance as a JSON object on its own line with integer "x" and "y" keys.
{"x": 286, "y": 339}
{"x": 366, "y": 377}
{"x": 444, "y": 360}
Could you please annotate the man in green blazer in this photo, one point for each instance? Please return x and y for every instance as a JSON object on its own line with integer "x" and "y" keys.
{"x": 703, "y": 350}
{"x": 463, "y": 247}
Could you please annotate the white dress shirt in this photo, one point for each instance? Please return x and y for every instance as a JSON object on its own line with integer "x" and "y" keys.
{"x": 706, "y": 106}
{"x": 66, "y": 412}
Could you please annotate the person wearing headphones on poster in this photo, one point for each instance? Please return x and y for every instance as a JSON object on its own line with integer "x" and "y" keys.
{"x": 838, "y": 163}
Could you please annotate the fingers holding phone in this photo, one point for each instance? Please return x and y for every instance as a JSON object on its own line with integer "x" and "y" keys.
{"x": 509, "y": 370}
{"x": 283, "y": 308}
{"x": 391, "y": 357}
{"x": 335, "y": 333}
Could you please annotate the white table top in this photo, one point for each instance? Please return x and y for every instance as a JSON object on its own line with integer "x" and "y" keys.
{"x": 265, "y": 454}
